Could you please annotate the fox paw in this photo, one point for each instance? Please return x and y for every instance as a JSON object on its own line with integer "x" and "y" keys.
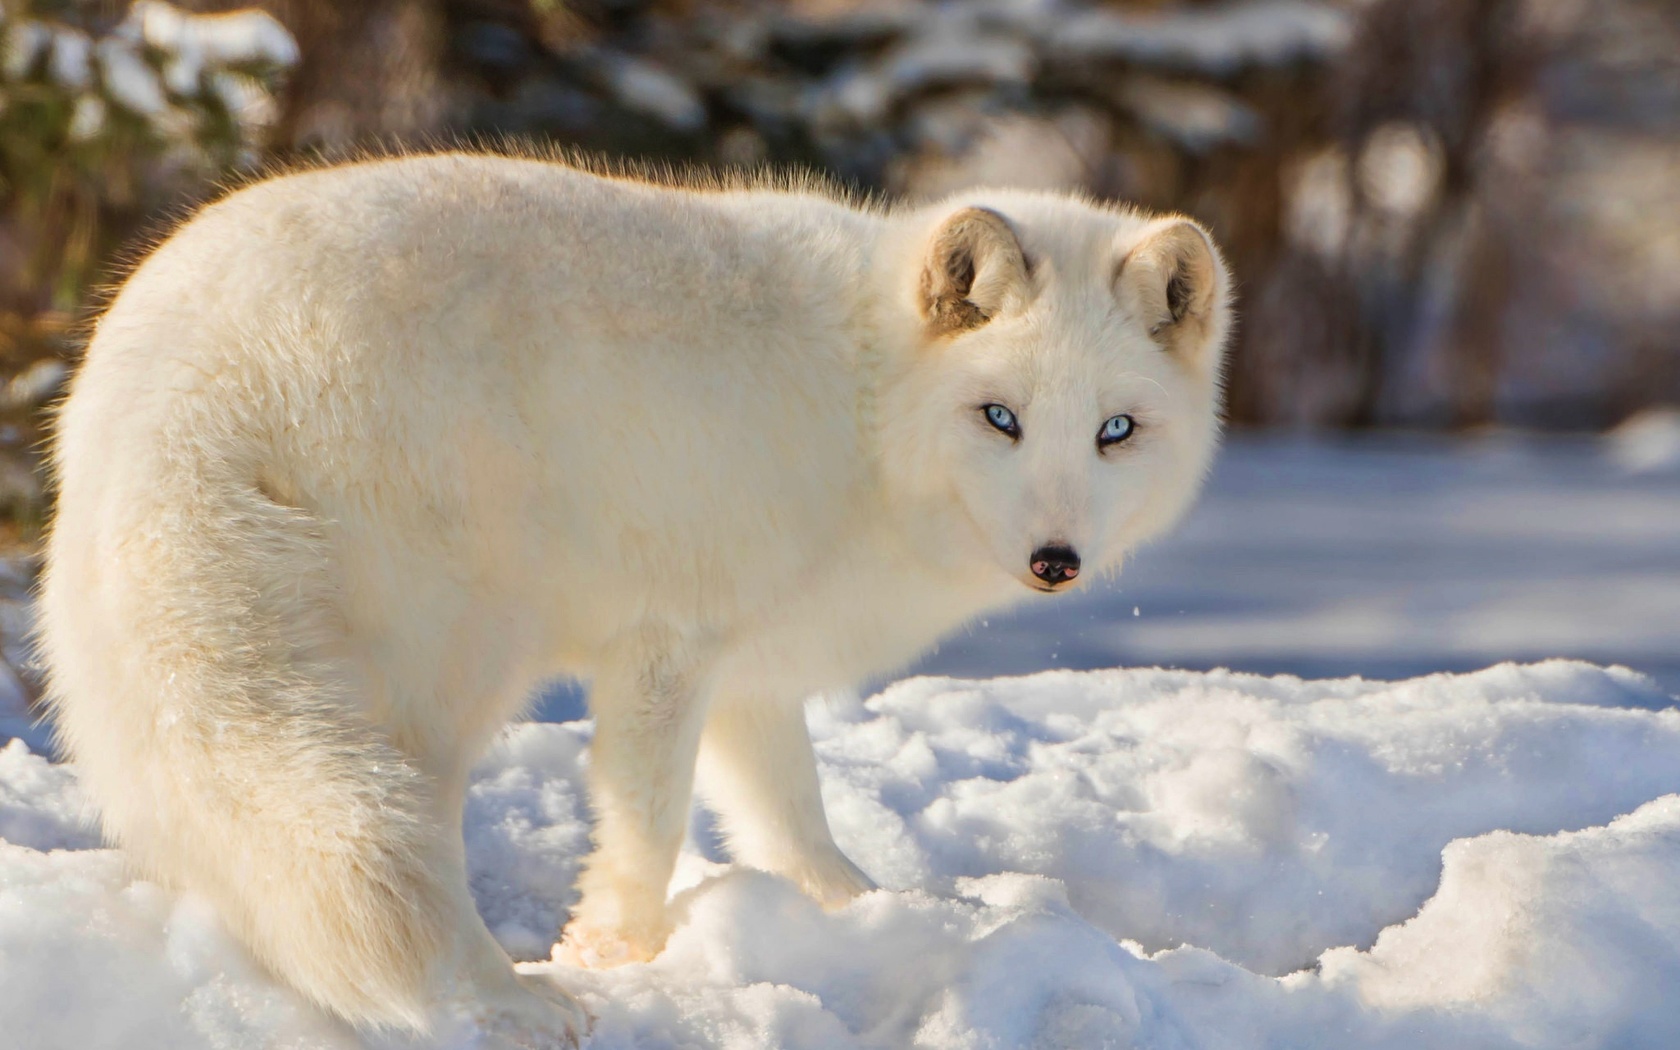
{"x": 834, "y": 881}
{"x": 597, "y": 948}
{"x": 529, "y": 1013}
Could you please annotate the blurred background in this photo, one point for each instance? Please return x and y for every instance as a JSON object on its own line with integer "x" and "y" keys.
{"x": 1455, "y": 224}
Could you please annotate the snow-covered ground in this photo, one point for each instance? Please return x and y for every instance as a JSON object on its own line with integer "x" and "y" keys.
{"x": 1159, "y": 859}
{"x": 1139, "y": 858}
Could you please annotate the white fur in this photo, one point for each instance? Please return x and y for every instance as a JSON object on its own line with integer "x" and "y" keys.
{"x": 360, "y": 455}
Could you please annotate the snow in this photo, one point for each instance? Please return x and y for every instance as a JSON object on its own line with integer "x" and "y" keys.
{"x": 129, "y": 80}
{"x": 244, "y": 98}
{"x": 1219, "y": 39}
{"x": 70, "y": 63}
{"x": 39, "y": 805}
{"x": 1115, "y": 858}
{"x": 190, "y": 44}
{"x": 1649, "y": 442}
{"x": 16, "y": 722}
{"x": 35, "y": 384}
{"x": 87, "y": 120}
{"x": 959, "y": 58}
{"x": 229, "y": 38}
{"x": 646, "y": 88}
{"x": 1195, "y": 116}
{"x": 194, "y": 43}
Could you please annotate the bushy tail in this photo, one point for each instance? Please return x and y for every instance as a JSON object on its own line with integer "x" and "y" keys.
{"x": 187, "y": 624}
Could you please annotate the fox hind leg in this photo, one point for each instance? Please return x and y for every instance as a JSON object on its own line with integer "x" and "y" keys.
{"x": 193, "y": 677}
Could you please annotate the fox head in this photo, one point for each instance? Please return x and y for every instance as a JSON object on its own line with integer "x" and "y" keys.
{"x": 1061, "y": 396}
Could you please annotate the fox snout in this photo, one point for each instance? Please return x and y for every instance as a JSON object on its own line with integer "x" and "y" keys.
{"x": 1055, "y": 564}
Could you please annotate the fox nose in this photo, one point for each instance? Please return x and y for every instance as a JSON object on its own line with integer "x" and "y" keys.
{"x": 1055, "y": 563}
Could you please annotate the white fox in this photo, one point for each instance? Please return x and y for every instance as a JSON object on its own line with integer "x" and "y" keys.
{"x": 360, "y": 455}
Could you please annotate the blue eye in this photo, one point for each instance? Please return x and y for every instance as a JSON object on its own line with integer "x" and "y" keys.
{"x": 1002, "y": 419}
{"x": 1115, "y": 430}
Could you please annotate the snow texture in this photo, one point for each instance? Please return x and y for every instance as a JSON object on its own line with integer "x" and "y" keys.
{"x": 1145, "y": 858}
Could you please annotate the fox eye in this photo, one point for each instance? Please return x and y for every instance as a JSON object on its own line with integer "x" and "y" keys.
{"x": 1115, "y": 430}
{"x": 1003, "y": 420}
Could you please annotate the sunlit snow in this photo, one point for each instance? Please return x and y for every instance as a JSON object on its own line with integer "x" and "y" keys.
{"x": 1101, "y": 859}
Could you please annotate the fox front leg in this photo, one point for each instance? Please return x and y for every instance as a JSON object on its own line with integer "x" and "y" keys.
{"x": 649, "y": 708}
{"x": 759, "y": 774}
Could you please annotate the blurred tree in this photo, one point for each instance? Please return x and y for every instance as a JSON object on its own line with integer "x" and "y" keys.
{"x": 370, "y": 72}
{"x": 1514, "y": 173}
{"x": 106, "y": 116}
{"x": 1442, "y": 212}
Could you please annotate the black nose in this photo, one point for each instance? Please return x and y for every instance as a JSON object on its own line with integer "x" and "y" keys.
{"x": 1055, "y": 564}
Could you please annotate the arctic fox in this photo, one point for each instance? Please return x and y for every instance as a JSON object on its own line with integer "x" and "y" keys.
{"x": 360, "y": 454}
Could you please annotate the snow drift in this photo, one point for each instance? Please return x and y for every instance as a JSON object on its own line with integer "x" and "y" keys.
{"x": 1105, "y": 859}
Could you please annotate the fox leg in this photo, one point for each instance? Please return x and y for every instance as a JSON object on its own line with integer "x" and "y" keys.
{"x": 649, "y": 707}
{"x": 759, "y": 774}
{"x": 198, "y": 679}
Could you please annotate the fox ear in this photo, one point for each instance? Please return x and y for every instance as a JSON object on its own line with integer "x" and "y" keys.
{"x": 1174, "y": 282}
{"x": 975, "y": 269}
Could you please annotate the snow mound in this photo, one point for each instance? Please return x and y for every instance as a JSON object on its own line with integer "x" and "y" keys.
{"x": 1103, "y": 859}
{"x": 1649, "y": 442}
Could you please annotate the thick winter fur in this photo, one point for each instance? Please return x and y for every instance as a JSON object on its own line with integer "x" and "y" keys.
{"x": 360, "y": 455}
